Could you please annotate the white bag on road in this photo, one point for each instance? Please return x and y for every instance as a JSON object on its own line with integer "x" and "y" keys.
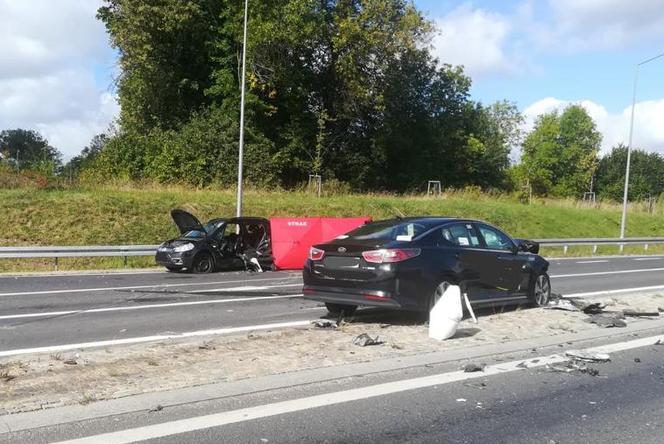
{"x": 445, "y": 316}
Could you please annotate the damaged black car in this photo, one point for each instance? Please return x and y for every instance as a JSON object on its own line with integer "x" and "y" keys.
{"x": 407, "y": 263}
{"x": 220, "y": 244}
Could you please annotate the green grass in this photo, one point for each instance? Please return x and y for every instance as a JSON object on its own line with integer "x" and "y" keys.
{"x": 141, "y": 216}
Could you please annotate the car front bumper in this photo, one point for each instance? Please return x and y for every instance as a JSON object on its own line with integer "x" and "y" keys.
{"x": 173, "y": 259}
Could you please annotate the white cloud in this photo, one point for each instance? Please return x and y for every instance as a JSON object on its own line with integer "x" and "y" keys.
{"x": 601, "y": 24}
{"x": 49, "y": 51}
{"x": 474, "y": 38}
{"x": 648, "y": 128}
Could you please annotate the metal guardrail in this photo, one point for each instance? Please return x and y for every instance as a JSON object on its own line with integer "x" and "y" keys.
{"x": 126, "y": 251}
{"x": 85, "y": 251}
{"x": 595, "y": 242}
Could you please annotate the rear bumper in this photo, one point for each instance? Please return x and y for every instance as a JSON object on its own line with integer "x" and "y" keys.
{"x": 350, "y": 296}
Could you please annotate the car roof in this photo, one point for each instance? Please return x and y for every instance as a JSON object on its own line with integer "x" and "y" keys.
{"x": 430, "y": 220}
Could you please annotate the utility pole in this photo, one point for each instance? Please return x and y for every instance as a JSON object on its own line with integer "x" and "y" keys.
{"x": 238, "y": 212}
{"x": 623, "y": 220}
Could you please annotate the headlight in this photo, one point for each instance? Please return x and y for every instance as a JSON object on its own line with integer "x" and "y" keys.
{"x": 163, "y": 247}
{"x": 183, "y": 248}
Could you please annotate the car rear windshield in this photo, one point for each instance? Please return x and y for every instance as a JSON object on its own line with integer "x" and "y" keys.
{"x": 388, "y": 230}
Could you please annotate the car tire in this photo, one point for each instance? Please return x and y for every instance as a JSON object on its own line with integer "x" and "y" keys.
{"x": 337, "y": 309}
{"x": 173, "y": 269}
{"x": 541, "y": 290}
{"x": 202, "y": 263}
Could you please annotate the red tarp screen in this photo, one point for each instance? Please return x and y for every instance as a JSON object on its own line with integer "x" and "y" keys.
{"x": 293, "y": 236}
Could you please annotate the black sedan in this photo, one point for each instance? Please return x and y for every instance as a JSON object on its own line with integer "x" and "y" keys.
{"x": 219, "y": 244}
{"x": 407, "y": 263}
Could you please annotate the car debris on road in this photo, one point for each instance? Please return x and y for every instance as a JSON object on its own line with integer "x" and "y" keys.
{"x": 365, "y": 339}
{"x": 471, "y": 367}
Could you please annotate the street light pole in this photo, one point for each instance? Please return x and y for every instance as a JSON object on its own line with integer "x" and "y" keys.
{"x": 629, "y": 145}
{"x": 238, "y": 211}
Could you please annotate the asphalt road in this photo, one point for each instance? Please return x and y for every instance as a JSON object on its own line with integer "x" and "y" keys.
{"x": 54, "y": 310}
{"x": 436, "y": 404}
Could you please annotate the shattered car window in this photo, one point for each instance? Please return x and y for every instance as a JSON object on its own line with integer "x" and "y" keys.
{"x": 208, "y": 228}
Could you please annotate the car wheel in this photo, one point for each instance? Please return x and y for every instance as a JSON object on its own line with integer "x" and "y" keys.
{"x": 173, "y": 269}
{"x": 203, "y": 263}
{"x": 337, "y": 309}
{"x": 541, "y": 290}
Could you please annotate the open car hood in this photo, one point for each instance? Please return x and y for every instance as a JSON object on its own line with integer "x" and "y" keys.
{"x": 186, "y": 221}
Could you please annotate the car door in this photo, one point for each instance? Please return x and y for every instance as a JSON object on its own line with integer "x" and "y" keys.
{"x": 505, "y": 264}
{"x": 462, "y": 241}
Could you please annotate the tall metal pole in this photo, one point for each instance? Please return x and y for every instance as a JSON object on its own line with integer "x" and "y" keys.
{"x": 629, "y": 155}
{"x": 629, "y": 145}
{"x": 238, "y": 212}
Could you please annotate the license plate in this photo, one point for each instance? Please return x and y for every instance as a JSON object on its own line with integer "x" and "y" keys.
{"x": 342, "y": 262}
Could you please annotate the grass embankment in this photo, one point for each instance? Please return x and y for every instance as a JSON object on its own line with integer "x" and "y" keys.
{"x": 141, "y": 216}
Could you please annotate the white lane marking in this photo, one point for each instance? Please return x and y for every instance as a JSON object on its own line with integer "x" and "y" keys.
{"x": 144, "y": 307}
{"x": 621, "y": 290}
{"x": 647, "y": 258}
{"x": 573, "y": 258}
{"x": 135, "y": 287}
{"x": 246, "y": 288}
{"x": 599, "y": 273}
{"x": 327, "y": 399}
{"x": 136, "y": 340}
{"x": 31, "y": 275}
{"x": 592, "y": 262}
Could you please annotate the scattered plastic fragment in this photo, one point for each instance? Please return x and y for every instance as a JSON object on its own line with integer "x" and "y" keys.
{"x": 364, "y": 340}
{"x": 461, "y": 400}
{"x": 659, "y": 342}
{"x": 522, "y": 365}
{"x": 606, "y": 321}
{"x": 324, "y": 324}
{"x": 471, "y": 367}
{"x": 561, "y": 304}
{"x": 157, "y": 408}
{"x": 588, "y": 356}
{"x": 637, "y": 360}
{"x": 476, "y": 384}
{"x": 572, "y": 366}
{"x": 637, "y": 313}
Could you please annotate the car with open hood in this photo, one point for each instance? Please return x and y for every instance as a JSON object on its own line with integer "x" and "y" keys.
{"x": 407, "y": 263}
{"x": 219, "y": 244}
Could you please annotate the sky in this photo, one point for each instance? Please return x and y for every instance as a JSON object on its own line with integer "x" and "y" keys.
{"x": 57, "y": 68}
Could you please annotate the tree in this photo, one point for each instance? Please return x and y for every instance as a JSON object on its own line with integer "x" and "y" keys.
{"x": 345, "y": 88}
{"x": 559, "y": 156}
{"x": 29, "y": 150}
{"x": 646, "y": 176}
{"x": 87, "y": 156}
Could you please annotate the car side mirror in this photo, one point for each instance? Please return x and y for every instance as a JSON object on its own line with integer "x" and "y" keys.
{"x": 527, "y": 246}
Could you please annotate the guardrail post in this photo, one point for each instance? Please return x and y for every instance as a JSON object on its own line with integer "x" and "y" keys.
{"x": 125, "y": 262}
{"x": 56, "y": 263}
{"x": 564, "y": 249}
{"x": 594, "y": 249}
{"x": 645, "y": 247}
{"x": 622, "y": 248}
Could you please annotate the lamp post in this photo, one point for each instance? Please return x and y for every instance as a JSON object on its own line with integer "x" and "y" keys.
{"x": 238, "y": 211}
{"x": 629, "y": 145}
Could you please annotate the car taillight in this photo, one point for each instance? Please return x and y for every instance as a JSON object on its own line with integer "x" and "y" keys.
{"x": 316, "y": 254}
{"x": 389, "y": 256}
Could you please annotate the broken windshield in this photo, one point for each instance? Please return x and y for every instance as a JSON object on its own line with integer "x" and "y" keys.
{"x": 208, "y": 228}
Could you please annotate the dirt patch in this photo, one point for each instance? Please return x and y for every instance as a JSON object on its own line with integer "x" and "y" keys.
{"x": 38, "y": 381}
